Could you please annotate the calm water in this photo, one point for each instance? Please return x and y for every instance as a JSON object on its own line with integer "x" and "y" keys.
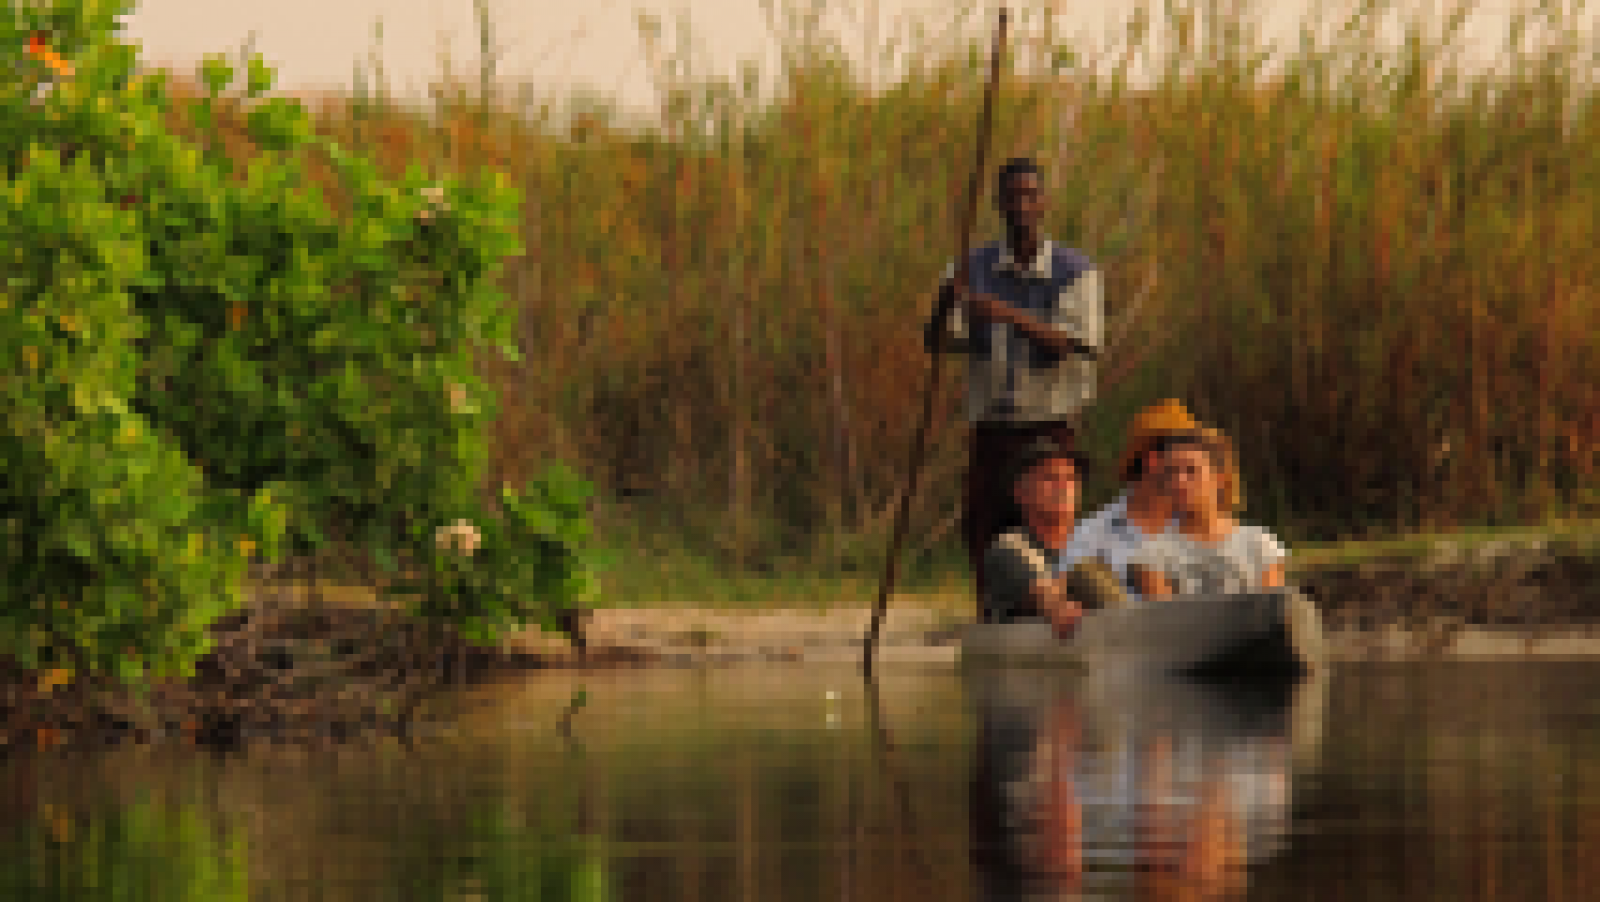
{"x": 1439, "y": 782}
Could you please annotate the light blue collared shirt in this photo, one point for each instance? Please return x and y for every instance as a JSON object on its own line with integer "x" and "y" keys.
{"x": 1112, "y": 537}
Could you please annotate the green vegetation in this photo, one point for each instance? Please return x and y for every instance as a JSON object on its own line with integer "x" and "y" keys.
{"x": 143, "y": 850}
{"x": 235, "y": 338}
{"x": 503, "y": 850}
{"x": 1346, "y": 257}
{"x": 1576, "y": 535}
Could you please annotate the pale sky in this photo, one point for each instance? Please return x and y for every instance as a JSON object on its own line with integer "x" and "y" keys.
{"x": 559, "y": 45}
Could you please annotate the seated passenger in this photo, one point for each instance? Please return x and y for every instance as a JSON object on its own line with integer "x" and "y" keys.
{"x": 1021, "y": 563}
{"x": 1210, "y": 552}
{"x": 1144, "y": 508}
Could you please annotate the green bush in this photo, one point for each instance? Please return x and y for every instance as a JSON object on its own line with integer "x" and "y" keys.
{"x": 519, "y": 565}
{"x": 222, "y": 360}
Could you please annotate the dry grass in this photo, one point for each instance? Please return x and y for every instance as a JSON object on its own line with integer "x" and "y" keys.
{"x": 1379, "y": 278}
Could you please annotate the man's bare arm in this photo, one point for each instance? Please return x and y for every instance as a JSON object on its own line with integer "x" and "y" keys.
{"x": 1052, "y": 600}
{"x": 1273, "y": 578}
{"x": 1151, "y": 583}
{"x": 988, "y": 308}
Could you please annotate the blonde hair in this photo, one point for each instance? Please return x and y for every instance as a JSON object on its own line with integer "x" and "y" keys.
{"x": 1218, "y": 449}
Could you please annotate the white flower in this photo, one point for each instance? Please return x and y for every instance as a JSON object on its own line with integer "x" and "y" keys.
{"x": 433, "y": 195}
{"x": 461, "y": 536}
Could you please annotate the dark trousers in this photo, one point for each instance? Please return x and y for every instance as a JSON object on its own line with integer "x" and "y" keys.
{"x": 988, "y": 503}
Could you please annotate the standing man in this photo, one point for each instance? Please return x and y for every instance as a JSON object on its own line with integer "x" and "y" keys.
{"x": 1030, "y": 324}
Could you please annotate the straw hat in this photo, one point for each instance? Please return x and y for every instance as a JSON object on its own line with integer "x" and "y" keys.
{"x": 1165, "y": 418}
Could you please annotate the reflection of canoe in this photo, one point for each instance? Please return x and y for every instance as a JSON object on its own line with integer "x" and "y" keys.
{"x": 1117, "y": 699}
{"x": 1219, "y": 709}
{"x": 1272, "y": 631}
{"x": 1256, "y": 739}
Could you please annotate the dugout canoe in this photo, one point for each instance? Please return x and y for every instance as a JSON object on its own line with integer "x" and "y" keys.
{"x": 1271, "y": 632}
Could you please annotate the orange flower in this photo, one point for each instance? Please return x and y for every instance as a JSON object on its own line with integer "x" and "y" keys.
{"x": 40, "y": 50}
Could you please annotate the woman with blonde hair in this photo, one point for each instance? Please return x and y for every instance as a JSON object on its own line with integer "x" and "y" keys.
{"x": 1211, "y": 552}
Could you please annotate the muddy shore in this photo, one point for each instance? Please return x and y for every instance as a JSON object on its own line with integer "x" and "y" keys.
{"x": 289, "y": 668}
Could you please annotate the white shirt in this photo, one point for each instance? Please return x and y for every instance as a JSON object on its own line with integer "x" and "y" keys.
{"x": 1235, "y": 564}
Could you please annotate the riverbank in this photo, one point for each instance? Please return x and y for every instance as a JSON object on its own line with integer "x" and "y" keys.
{"x": 1470, "y": 596}
{"x": 337, "y": 663}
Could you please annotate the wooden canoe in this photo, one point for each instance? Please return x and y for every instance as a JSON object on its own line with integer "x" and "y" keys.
{"x": 1272, "y": 632}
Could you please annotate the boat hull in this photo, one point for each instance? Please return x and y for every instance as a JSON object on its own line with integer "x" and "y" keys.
{"x": 1270, "y": 632}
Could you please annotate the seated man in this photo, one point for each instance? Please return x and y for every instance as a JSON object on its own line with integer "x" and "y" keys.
{"x": 1144, "y": 509}
{"x": 1021, "y": 563}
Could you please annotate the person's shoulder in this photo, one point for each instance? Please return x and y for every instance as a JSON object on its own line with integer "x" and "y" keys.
{"x": 1069, "y": 262}
{"x": 1110, "y": 509}
{"x": 1014, "y": 544}
{"x": 1261, "y": 540}
{"x": 982, "y": 257}
{"x": 986, "y": 253}
{"x": 1013, "y": 562}
{"x": 1089, "y": 522}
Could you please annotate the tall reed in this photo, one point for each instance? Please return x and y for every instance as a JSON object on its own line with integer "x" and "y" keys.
{"x": 1375, "y": 268}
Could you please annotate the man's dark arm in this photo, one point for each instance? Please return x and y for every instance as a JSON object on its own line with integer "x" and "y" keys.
{"x": 1056, "y": 341}
{"x": 987, "y": 308}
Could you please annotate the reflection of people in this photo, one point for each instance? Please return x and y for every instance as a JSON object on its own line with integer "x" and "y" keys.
{"x": 1193, "y": 853}
{"x": 1211, "y": 552}
{"x": 1144, "y": 509}
{"x": 1030, "y": 328}
{"x": 1165, "y": 788}
{"x": 1044, "y": 480}
{"x": 1053, "y": 841}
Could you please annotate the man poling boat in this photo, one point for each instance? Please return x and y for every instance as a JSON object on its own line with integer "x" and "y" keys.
{"x": 1027, "y": 313}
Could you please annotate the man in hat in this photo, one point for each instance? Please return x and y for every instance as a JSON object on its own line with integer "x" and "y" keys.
{"x": 1144, "y": 508}
{"x": 1045, "y": 481}
{"x": 1030, "y": 324}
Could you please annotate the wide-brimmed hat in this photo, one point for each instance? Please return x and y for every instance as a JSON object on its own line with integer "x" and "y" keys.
{"x": 1167, "y": 417}
{"x": 1037, "y": 452}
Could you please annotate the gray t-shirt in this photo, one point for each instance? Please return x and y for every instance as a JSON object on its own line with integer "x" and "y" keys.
{"x": 1235, "y": 564}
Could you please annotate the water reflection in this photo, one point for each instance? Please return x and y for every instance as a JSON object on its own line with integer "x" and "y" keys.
{"x": 1132, "y": 785}
{"x": 793, "y": 784}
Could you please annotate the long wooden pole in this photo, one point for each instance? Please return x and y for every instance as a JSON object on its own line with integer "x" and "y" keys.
{"x": 919, "y": 448}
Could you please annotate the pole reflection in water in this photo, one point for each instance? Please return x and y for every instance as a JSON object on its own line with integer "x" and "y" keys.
{"x": 1130, "y": 785}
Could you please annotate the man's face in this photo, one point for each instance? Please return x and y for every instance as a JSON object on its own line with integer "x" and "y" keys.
{"x": 1022, "y": 202}
{"x": 1190, "y": 478}
{"x": 1050, "y": 488}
